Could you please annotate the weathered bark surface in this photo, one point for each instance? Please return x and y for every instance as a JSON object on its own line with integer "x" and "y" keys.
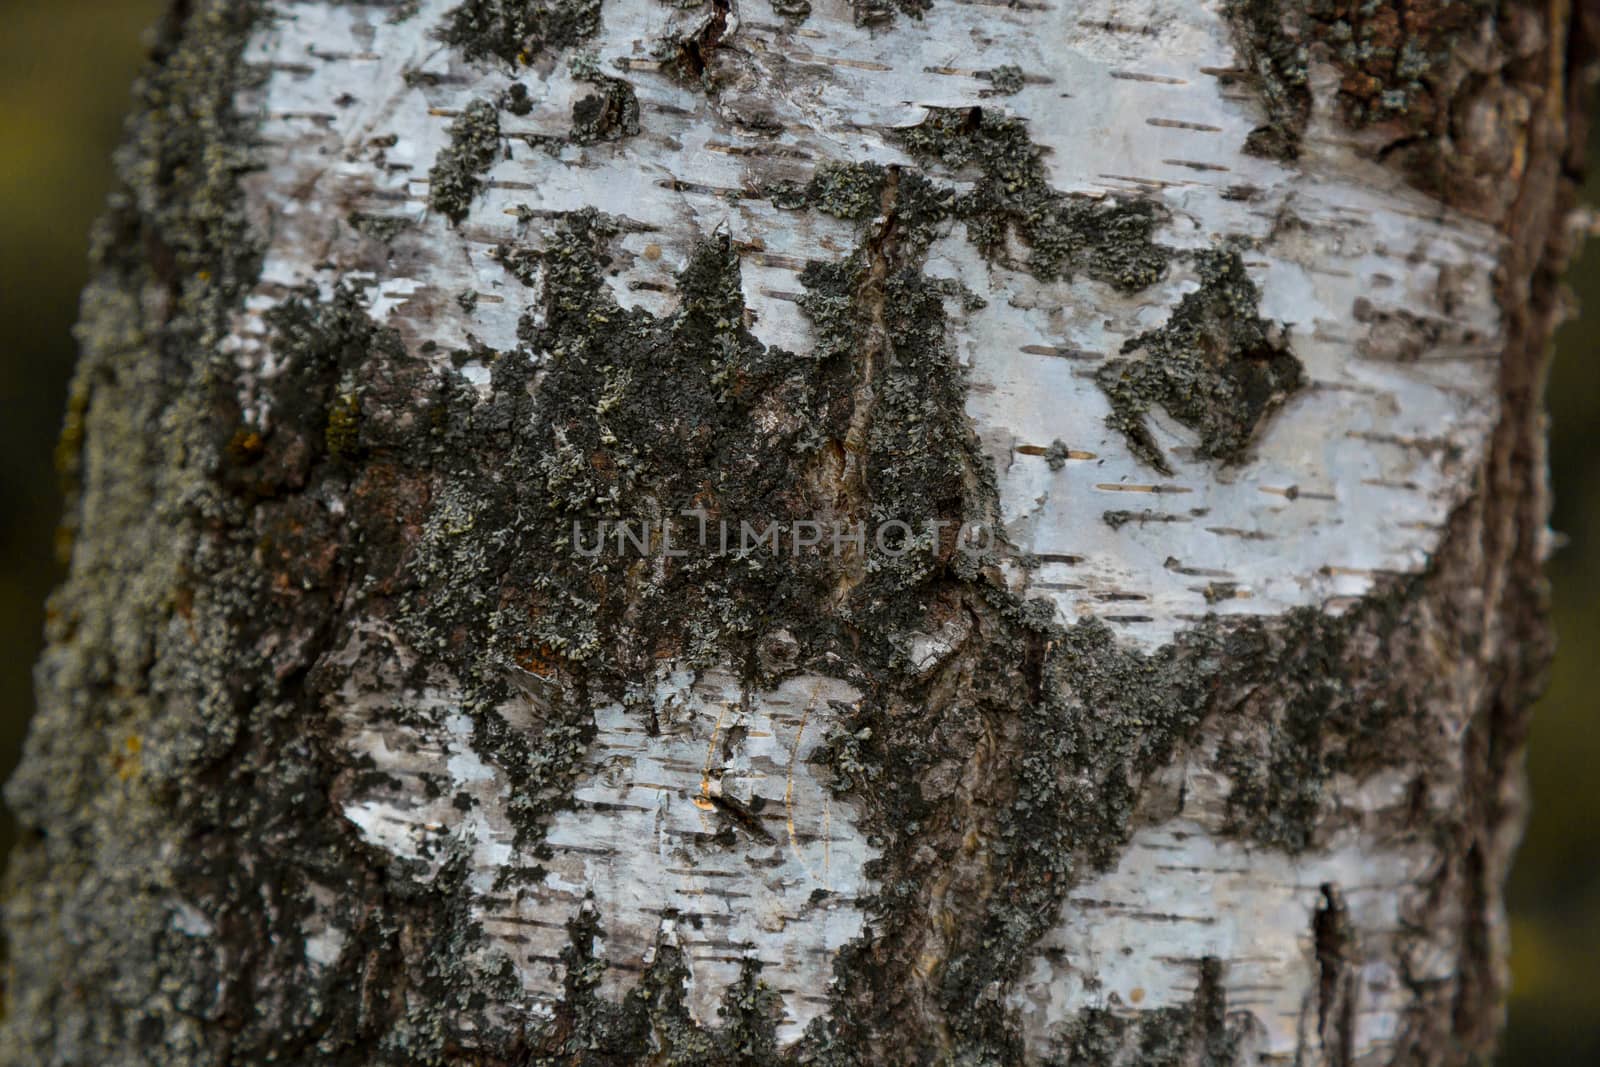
{"x": 1227, "y": 322}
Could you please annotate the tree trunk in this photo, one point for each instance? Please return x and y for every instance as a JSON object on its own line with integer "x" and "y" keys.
{"x": 908, "y": 532}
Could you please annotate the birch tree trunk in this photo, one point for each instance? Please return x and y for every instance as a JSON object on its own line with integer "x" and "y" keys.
{"x": 753, "y": 531}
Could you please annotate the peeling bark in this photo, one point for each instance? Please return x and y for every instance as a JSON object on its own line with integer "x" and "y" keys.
{"x": 469, "y": 655}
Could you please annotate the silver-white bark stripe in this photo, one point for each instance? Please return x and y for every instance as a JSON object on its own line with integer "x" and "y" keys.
{"x": 716, "y": 830}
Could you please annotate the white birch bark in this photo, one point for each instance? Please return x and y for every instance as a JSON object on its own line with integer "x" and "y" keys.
{"x": 712, "y": 826}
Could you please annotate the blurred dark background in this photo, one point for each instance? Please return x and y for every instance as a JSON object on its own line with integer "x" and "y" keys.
{"x": 65, "y": 68}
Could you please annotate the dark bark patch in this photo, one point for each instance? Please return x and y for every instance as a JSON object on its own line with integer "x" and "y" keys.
{"x": 1215, "y": 365}
{"x": 688, "y": 419}
{"x": 517, "y": 31}
{"x": 689, "y": 53}
{"x": 316, "y": 400}
{"x": 1444, "y": 91}
{"x": 796, "y": 11}
{"x": 652, "y": 1023}
{"x": 1108, "y": 240}
{"x": 882, "y": 12}
{"x": 382, "y": 228}
{"x": 610, "y": 113}
{"x": 1199, "y": 1034}
{"x": 1341, "y": 701}
{"x": 1275, "y": 60}
{"x": 1337, "y": 982}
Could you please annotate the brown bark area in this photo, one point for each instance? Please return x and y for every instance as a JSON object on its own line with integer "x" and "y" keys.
{"x": 1490, "y": 592}
{"x": 1500, "y": 543}
{"x": 1491, "y": 596}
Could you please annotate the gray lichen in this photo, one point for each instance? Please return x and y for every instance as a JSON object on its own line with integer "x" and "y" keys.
{"x": 1215, "y": 365}
{"x": 880, "y": 12}
{"x": 652, "y": 1023}
{"x": 384, "y": 228}
{"x": 608, "y": 114}
{"x": 518, "y": 30}
{"x": 1006, "y": 79}
{"x": 794, "y": 10}
{"x": 689, "y": 51}
{"x": 1108, "y": 240}
{"x": 1277, "y": 58}
{"x": 1399, "y": 67}
{"x": 848, "y": 190}
{"x": 1199, "y": 1034}
{"x": 457, "y": 174}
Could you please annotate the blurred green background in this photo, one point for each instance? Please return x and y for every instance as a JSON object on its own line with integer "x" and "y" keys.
{"x": 65, "y": 68}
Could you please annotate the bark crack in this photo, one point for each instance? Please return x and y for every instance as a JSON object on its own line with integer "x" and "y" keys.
{"x": 1336, "y": 986}
{"x": 881, "y": 258}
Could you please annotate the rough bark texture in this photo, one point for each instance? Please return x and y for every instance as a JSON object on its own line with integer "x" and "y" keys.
{"x": 359, "y": 744}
